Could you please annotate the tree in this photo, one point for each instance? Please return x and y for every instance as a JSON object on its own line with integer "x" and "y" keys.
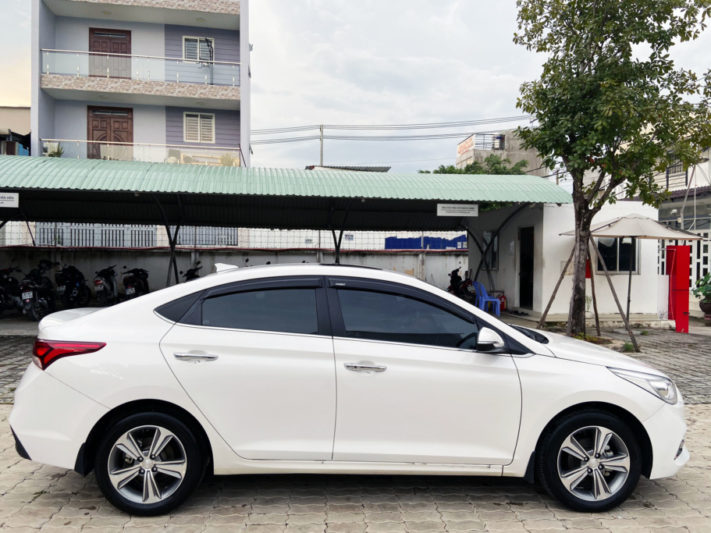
{"x": 610, "y": 104}
{"x": 493, "y": 164}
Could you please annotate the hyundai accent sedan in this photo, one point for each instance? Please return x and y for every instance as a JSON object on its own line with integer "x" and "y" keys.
{"x": 334, "y": 369}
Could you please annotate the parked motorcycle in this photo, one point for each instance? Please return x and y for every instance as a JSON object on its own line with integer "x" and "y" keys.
{"x": 192, "y": 273}
{"x": 9, "y": 290}
{"x": 72, "y": 289}
{"x": 135, "y": 282}
{"x": 37, "y": 292}
{"x": 105, "y": 286}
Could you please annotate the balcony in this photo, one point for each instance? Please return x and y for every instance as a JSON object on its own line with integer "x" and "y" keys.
{"x": 223, "y": 14}
{"x": 138, "y": 79}
{"x": 153, "y": 153}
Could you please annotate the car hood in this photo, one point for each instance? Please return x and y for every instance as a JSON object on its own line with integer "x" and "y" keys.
{"x": 572, "y": 349}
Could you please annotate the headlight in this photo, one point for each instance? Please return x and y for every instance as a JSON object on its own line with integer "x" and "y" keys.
{"x": 663, "y": 388}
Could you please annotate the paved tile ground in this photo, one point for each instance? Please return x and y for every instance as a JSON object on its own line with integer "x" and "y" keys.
{"x": 35, "y": 497}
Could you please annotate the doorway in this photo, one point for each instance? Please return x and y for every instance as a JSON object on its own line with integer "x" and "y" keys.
{"x": 105, "y": 44}
{"x": 525, "y": 273}
{"x": 107, "y": 125}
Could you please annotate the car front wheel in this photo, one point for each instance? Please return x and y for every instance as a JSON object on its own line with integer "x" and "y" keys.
{"x": 591, "y": 461}
{"x": 148, "y": 464}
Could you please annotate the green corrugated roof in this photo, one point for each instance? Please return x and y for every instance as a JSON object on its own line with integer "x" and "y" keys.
{"x": 44, "y": 173}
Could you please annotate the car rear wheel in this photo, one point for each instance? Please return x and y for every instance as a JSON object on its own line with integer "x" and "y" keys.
{"x": 590, "y": 461}
{"x": 148, "y": 464}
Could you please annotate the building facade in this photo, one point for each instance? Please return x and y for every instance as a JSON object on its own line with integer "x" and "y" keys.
{"x": 506, "y": 144}
{"x": 146, "y": 80}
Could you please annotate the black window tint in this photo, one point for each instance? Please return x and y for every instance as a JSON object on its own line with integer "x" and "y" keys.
{"x": 391, "y": 317}
{"x": 287, "y": 310}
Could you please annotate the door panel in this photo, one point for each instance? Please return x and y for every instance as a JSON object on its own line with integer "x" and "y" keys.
{"x": 113, "y": 49}
{"x": 110, "y": 125}
{"x": 434, "y": 405}
{"x": 270, "y": 395}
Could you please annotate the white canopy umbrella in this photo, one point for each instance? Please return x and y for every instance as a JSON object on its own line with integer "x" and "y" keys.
{"x": 638, "y": 227}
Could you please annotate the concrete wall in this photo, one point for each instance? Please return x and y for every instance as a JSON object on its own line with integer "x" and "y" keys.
{"x": 245, "y": 82}
{"x": 73, "y": 34}
{"x": 551, "y": 250}
{"x": 42, "y": 111}
{"x": 432, "y": 267}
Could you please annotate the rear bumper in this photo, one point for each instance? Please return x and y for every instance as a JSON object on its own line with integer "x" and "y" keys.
{"x": 19, "y": 447}
{"x": 50, "y": 420}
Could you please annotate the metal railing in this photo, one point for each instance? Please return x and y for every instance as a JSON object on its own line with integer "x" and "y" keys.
{"x": 183, "y": 154}
{"x": 139, "y": 67}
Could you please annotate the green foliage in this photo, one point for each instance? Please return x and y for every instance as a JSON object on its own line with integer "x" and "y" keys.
{"x": 57, "y": 152}
{"x": 628, "y": 347}
{"x": 610, "y": 101}
{"x": 493, "y": 164}
{"x": 610, "y": 104}
{"x": 702, "y": 289}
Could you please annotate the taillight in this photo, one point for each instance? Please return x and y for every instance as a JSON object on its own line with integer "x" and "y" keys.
{"x": 98, "y": 282}
{"x": 47, "y": 352}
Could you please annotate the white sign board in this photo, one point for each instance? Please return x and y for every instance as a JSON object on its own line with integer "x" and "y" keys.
{"x": 457, "y": 210}
{"x": 10, "y": 199}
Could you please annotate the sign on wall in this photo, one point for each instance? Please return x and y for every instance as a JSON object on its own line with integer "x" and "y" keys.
{"x": 10, "y": 199}
{"x": 457, "y": 210}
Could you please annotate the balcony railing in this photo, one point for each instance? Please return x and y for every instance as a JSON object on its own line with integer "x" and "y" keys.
{"x": 139, "y": 67}
{"x": 155, "y": 153}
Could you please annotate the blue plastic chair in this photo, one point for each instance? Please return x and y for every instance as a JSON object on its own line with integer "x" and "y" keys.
{"x": 482, "y": 298}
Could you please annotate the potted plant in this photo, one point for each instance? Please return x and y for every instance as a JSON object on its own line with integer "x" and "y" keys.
{"x": 703, "y": 290}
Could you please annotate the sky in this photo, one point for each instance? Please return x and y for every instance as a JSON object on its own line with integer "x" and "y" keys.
{"x": 364, "y": 62}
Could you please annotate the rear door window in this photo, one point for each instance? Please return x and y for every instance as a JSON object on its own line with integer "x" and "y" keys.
{"x": 283, "y": 310}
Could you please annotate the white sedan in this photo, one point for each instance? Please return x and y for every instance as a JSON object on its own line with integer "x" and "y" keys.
{"x": 317, "y": 369}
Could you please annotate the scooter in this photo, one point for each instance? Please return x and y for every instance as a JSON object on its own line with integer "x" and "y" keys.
{"x": 9, "y": 290}
{"x": 37, "y": 292}
{"x": 105, "y": 286}
{"x": 72, "y": 289}
{"x": 135, "y": 282}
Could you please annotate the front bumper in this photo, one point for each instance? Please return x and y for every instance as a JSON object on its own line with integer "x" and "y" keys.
{"x": 667, "y": 432}
{"x": 50, "y": 420}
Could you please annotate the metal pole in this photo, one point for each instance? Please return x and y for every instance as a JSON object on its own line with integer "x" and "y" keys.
{"x": 614, "y": 295}
{"x": 321, "y": 139}
{"x": 629, "y": 290}
{"x": 594, "y": 297}
{"x": 542, "y": 320}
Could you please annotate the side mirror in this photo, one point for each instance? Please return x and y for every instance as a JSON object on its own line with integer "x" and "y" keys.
{"x": 489, "y": 341}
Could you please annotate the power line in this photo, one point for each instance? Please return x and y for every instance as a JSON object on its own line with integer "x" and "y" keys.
{"x": 375, "y": 127}
{"x": 423, "y": 137}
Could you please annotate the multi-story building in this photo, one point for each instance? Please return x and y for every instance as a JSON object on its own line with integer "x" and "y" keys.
{"x": 147, "y": 80}
{"x": 506, "y": 144}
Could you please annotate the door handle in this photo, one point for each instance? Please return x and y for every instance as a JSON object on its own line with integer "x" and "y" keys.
{"x": 195, "y": 357}
{"x": 365, "y": 366}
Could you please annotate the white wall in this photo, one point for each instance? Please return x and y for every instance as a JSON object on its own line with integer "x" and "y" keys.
{"x": 42, "y": 112}
{"x": 551, "y": 250}
{"x": 432, "y": 268}
{"x": 245, "y": 82}
{"x": 557, "y": 249}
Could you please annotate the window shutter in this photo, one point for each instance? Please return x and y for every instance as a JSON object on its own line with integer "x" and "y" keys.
{"x": 192, "y": 127}
{"x": 190, "y": 48}
{"x": 207, "y": 128}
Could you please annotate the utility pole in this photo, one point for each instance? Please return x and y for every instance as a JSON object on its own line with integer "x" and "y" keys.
{"x": 321, "y": 137}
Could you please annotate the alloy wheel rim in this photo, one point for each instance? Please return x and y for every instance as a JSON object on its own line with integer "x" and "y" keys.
{"x": 593, "y": 463}
{"x": 147, "y": 464}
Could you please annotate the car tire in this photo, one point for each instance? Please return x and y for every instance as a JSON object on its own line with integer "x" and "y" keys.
{"x": 139, "y": 481}
{"x": 590, "y": 461}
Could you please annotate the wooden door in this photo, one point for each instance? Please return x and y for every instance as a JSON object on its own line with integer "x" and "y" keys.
{"x": 106, "y": 43}
{"x": 109, "y": 125}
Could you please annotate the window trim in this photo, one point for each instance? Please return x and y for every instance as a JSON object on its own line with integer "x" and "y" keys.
{"x": 199, "y": 114}
{"x": 396, "y": 289}
{"x": 193, "y": 317}
{"x": 198, "y": 60}
{"x": 617, "y": 271}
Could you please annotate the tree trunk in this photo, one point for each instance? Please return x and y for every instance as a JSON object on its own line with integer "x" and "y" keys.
{"x": 576, "y": 313}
